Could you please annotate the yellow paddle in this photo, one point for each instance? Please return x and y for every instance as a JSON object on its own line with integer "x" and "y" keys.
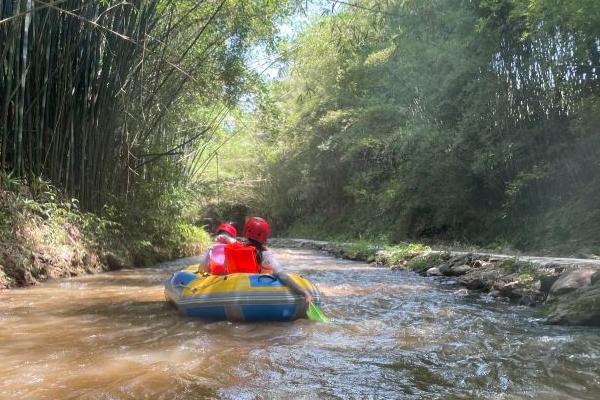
{"x": 314, "y": 313}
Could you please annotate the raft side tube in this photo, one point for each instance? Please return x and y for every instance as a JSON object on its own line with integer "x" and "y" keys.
{"x": 237, "y": 297}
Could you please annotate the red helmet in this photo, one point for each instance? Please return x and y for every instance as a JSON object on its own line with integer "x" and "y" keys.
{"x": 227, "y": 228}
{"x": 257, "y": 228}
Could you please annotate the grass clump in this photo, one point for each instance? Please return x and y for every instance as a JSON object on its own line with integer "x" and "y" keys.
{"x": 363, "y": 251}
{"x": 398, "y": 254}
{"x": 387, "y": 255}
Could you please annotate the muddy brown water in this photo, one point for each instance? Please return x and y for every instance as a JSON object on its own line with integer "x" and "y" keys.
{"x": 394, "y": 335}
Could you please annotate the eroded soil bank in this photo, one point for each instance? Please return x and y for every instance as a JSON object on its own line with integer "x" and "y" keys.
{"x": 43, "y": 237}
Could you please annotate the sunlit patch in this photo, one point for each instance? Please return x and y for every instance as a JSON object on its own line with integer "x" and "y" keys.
{"x": 556, "y": 339}
{"x": 343, "y": 290}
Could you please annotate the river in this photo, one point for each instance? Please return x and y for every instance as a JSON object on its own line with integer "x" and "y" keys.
{"x": 394, "y": 335}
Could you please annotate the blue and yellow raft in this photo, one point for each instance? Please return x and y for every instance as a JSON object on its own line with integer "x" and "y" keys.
{"x": 237, "y": 297}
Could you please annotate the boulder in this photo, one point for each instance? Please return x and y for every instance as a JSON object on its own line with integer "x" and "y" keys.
{"x": 481, "y": 264}
{"x": 578, "y": 307}
{"x": 572, "y": 280}
{"x": 434, "y": 271}
{"x": 504, "y": 289}
{"x": 480, "y": 279}
{"x": 546, "y": 283}
{"x": 458, "y": 270}
{"x": 525, "y": 296}
{"x": 458, "y": 258}
{"x": 444, "y": 268}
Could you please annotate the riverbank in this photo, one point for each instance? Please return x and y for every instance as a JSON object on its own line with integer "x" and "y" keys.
{"x": 45, "y": 236}
{"x": 566, "y": 290}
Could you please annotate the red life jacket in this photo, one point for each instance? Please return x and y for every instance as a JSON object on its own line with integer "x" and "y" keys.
{"x": 240, "y": 258}
{"x": 216, "y": 259}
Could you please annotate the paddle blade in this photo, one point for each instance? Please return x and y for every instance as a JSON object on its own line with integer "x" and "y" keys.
{"x": 314, "y": 313}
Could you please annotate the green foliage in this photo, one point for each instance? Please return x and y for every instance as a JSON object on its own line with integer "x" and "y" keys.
{"x": 514, "y": 265}
{"x": 468, "y": 120}
{"x": 144, "y": 253}
{"x": 525, "y": 277}
{"x": 188, "y": 240}
{"x": 162, "y": 218}
{"x": 37, "y": 214}
{"x": 398, "y": 254}
{"x": 444, "y": 119}
{"x": 121, "y": 106}
{"x": 414, "y": 256}
{"x": 363, "y": 251}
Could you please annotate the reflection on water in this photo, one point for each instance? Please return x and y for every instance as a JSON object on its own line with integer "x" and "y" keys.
{"x": 394, "y": 335}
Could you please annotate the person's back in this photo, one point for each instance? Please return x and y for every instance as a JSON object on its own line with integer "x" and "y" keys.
{"x": 252, "y": 256}
{"x": 256, "y": 231}
{"x": 241, "y": 257}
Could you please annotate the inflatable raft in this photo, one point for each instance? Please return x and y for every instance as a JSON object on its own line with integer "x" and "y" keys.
{"x": 237, "y": 297}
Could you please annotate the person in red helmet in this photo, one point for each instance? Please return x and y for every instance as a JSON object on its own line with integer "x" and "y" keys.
{"x": 251, "y": 256}
{"x": 226, "y": 233}
{"x": 213, "y": 260}
{"x": 257, "y": 231}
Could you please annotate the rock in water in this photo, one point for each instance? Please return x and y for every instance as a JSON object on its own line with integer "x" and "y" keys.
{"x": 579, "y": 307}
{"x": 572, "y": 280}
{"x": 546, "y": 283}
{"x": 459, "y": 270}
{"x": 480, "y": 279}
{"x": 434, "y": 271}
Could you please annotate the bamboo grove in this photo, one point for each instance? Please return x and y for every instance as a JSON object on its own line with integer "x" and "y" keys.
{"x": 105, "y": 97}
{"x": 460, "y": 120}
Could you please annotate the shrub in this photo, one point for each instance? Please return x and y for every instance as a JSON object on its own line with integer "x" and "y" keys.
{"x": 187, "y": 240}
